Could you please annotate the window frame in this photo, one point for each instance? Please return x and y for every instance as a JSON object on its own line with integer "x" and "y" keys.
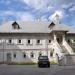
{"x": 40, "y": 42}
{"x": 31, "y": 42}
{"x": 24, "y": 55}
{"x": 19, "y": 43}
{"x": 10, "y": 43}
{"x": 49, "y": 41}
{"x": 31, "y": 55}
{"x": 14, "y": 55}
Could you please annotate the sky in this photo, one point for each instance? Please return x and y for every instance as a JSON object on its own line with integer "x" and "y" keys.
{"x": 32, "y": 10}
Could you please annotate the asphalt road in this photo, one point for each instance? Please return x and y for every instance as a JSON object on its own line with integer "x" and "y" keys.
{"x": 34, "y": 70}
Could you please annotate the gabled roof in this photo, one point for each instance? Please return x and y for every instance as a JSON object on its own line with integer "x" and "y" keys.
{"x": 51, "y": 24}
{"x": 34, "y": 27}
{"x": 26, "y": 27}
{"x": 61, "y": 27}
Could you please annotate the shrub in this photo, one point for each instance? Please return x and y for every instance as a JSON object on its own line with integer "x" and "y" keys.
{"x": 53, "y": 63}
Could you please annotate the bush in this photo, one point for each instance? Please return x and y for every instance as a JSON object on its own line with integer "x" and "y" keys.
{"x": 53, "y": 63}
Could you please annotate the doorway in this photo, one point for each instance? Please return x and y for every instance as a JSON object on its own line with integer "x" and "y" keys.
{"x": 59, "y": 39}
{"x": 8, "y": 57}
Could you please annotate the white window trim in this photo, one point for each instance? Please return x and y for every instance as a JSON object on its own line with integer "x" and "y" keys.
{"x": 12, "y": 41}
{"x": 48, "y": 41}
{"x": 33, "y": 55}
{"x": 31, "y": 42}
{"x": 39, "y": 43}
{"x": 18, "y": 42}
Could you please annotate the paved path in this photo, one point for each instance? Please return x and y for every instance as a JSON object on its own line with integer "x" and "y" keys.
{"x": 34, "y": 70}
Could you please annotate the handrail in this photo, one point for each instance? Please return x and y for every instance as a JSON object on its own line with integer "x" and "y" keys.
{"x": 67, "y": 46}
{"x": 57, "y": 48}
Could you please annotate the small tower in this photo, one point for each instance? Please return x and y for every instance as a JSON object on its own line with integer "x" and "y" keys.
{"x": 56, "y": 19}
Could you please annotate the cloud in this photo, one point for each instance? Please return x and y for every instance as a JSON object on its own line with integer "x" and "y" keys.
{"x": 67, "y": 6}
{"x": 58, "y": 12}
{"x": 6, "y": 2}
{"x": 43, "y": 5}
{"x": 24, "y": 16}
{"x": 72, "y": 8}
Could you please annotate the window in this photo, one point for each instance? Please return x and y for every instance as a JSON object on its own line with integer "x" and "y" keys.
{"x": 14, "y": 55}
{"x": 49, "y": 41}
{"x": 32, "y": 55}
{"x": 38, "y": 41}
{"x": 19, "y": 41}
{"x": 28, "y": 41}
{"x": 68, "y": 41}
{"x": 15, "y": 25}
{"x": 24, "y": 55}
{"x": 40, "y": 53}
{"x": 10, "y": 41}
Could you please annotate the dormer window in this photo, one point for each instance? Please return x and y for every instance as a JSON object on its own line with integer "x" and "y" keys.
{"x": 51, "y": 25}
{"x": 15, "y": 25}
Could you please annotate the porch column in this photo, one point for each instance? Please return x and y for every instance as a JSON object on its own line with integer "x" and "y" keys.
{"x": 63, "y": 38}
{"x": 54, "y": 37}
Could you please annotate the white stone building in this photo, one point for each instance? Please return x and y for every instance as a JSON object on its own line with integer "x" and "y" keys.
{"x": 25, "y": 41}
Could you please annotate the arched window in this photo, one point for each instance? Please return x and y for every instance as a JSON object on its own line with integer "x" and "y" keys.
{"x": 68, "y": 40}
{"x": 40, "y": 53}
{"x": 14, "y": 55}
{"x": 24, "y": 55}
{"x": 32, "y": 55}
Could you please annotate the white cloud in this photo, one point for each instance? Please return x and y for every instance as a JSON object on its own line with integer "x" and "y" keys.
{"x": 24, "y": 16}
{"x": 58, "y": 12}
{"x": 39, "y": 4}
{"x": 66, "y": 6}
{"x": 72, "y": 9}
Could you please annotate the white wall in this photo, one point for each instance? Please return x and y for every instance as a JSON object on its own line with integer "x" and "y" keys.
{"x": 24, "y": 47}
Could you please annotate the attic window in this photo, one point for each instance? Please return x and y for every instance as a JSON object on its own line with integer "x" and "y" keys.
{"x": 51, "y": 25}
{"x": 15, "y": 25}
